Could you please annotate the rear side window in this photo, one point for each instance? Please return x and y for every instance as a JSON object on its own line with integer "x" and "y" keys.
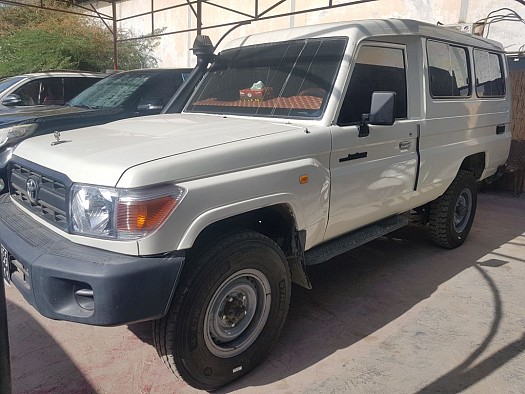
{"x": 376, "y": 69}
{"x": 490, "y": 81}
{"x": 448, "y": 70}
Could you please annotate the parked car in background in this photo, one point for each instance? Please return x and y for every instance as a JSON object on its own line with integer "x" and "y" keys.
{"x": 45, "y": 88}
{"x": 122, "y": 95}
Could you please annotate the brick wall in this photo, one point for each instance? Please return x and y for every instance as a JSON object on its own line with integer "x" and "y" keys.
{"x": 516, "y": 159}
{"x": 517, "y": 78}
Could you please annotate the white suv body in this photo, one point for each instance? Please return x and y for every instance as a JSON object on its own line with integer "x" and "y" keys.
{"x": 296, "y": 146}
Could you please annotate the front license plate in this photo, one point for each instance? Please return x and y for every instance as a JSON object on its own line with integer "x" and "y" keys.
{"x": 6, "y": 270}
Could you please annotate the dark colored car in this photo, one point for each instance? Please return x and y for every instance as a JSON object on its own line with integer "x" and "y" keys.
{"x": 122, "y": 95}
{"x": 38, "y": 90}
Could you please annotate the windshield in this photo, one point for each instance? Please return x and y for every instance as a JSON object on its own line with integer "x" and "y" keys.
{"x": 288, "y": 79}
{"x": 6, "y": 83}
{"x": 112, "y": 91}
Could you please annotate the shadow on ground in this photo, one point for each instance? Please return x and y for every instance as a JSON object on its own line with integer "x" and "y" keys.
{"x": 360, "y": 292}
{"x": 38, "y": 363}
{"x": 353, "y": 296}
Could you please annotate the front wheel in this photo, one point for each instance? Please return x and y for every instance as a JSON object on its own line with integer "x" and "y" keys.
{"x": 452, "y": 214}
{"x": 228, "y": 311}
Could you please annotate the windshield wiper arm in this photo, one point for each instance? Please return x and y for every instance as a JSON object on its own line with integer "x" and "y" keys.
{"x": 85, "y": 106}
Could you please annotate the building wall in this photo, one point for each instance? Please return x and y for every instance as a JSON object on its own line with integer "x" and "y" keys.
{"x": 174, "y": 49}
{"x": 517, "y": 78}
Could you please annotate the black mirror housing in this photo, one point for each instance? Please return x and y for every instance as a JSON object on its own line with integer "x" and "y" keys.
{"x": 151, "y": 105}
{"x": 12, "y": 100}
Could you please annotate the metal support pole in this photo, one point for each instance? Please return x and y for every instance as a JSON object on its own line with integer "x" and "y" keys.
{"x": 199, "y": 17}
{"x": 115, "y": 35}
{"x": 463, "y": 11}
{"x": 5, "y": 361}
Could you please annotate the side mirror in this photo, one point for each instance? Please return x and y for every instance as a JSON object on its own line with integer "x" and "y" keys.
{"x": 382, "y": 108}
{"x": 382, "y": 112}
{"x": 150, "y": 106}
{"x": 12, "y": 100}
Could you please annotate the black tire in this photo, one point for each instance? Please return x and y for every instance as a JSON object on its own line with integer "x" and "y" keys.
{"x": 227, "y": 312}
{"x": 452, "y": 214}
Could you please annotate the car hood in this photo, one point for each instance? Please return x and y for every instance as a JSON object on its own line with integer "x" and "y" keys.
{"x": 6, "y": 111}
{"x": 45, "y": 114}
{"x": 101, "y": 154}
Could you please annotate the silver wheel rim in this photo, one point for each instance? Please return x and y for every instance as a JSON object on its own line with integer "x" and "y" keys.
{"x": 462, "y": 210}
{"x": 237, "y": 313}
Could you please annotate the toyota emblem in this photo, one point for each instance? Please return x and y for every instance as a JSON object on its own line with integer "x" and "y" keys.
{"x": 32, "y": 190}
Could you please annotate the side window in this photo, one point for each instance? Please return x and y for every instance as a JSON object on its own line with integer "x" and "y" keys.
{"x": 489, "y": 74}
{"x": 52, "y": 91}
{"x": 376, "y": 69}
{"x": 29, "y": 93}
{"x": 448, "y": 70}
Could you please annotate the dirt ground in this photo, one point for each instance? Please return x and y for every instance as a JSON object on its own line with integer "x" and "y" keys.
{"x": 397, "y": 315}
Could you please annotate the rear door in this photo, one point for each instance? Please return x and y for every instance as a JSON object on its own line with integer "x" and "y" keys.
{"x": 372, "y": 177}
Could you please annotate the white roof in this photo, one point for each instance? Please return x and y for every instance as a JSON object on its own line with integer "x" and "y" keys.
{"x": 62, "y": 74}
{"x": 360, "y": 29}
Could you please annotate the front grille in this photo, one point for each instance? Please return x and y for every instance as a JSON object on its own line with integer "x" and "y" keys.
{"x": 50, "y": 202}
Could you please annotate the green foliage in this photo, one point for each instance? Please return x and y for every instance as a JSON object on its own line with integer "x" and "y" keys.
{"x": 37, "y": 40}
{"x": 137, "y": 53}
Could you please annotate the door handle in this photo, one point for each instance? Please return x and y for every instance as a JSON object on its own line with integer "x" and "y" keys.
{"x": 404, "y": 145}
{"x": 500, "y": 129}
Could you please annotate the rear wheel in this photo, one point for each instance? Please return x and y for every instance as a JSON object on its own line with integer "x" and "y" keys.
{"x": 228, "y": 311}
{"x": 452, "y": 214}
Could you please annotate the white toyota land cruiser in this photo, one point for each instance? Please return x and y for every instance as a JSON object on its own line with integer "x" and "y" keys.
{"x": 297, "y": 145}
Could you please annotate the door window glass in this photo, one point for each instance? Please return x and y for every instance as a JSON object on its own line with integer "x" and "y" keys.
{"x": 448, "y": 70}
{"x": 29, "y": 93}
{"x": 489, "y": 74}
{"x": 376, "y": 69}
{"x": 52, "y": 92}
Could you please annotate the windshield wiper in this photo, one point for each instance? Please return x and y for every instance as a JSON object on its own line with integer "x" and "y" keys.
{"x": 86, "y": 106}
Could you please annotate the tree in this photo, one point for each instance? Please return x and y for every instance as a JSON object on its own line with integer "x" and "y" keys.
{"x": 37, "y": 40}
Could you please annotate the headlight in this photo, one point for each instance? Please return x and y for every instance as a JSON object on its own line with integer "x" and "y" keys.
{"x": 17, "y": 132}
{"x": 125, "y": 214}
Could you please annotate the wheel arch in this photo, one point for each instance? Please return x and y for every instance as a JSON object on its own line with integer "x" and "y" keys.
{"x": 278, "y": 222}
{"x": 474, "y": 163}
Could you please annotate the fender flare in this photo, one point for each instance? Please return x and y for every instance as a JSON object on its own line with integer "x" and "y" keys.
{"x": 217, "y": 214}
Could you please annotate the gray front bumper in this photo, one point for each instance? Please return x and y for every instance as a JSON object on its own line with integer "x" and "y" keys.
{"x": 67, "y": 281}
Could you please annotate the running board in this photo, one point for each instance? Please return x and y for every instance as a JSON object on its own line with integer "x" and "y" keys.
{"x": 343, "y": 244}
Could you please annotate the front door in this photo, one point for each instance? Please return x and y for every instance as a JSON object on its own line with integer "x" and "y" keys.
{"x": 373, "y": 176}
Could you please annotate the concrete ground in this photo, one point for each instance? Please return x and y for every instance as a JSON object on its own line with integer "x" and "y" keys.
{"x": 398, "y": 315}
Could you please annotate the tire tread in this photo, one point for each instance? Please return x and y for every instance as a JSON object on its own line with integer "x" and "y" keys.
{"x": 164, "y": 328}
{"x": 439, "y": 211}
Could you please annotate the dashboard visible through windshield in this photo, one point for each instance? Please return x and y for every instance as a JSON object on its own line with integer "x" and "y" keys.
{"x": 288, "y": 79}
